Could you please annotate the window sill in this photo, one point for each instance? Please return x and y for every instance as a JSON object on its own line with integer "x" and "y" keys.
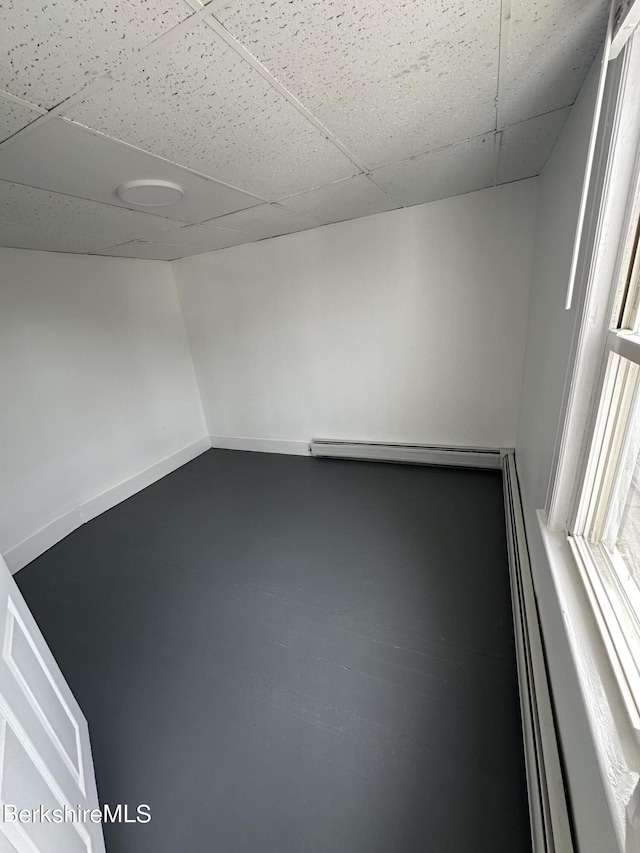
{"x": 614, "y": 737}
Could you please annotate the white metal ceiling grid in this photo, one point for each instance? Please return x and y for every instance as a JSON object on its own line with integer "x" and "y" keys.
{"x": 51, "y": 48}
{"x": 390, "y": 80}
{"x": 199, "y": 105}
{"x": 13, "y": 117}
{"x": 347, "y": 199}
{"x": 143, "y": 250}
{"x": 459, "y": 168}
{"x": 61, "y": 157}
{"x": 45, "y": 212}
{"x": 525, "y": 147}
{"x": 550, "y": 48}
{"x": 268, "y": 220}
{"x": 287, "y": 101}
{"x": 20, "y": 203}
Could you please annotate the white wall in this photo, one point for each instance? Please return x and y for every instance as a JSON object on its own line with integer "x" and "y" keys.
{"x": 407, "y": 326}
{"x": 549, "y": 335}
{"x": 97, "y": 384}
{"x": 550, "y": 327}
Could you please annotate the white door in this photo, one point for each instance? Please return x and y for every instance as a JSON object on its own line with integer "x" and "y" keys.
{"x": 45, "y": 755}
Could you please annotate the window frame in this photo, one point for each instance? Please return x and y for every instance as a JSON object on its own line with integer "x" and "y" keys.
{"x": 580, "y": 488}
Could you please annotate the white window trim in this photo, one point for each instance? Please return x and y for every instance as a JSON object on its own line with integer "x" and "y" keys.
{"x": 604, "y": 583}
{"x": 605, "y": 663}
{"x": 614, "y": 739}
{"x": 612, "y": 210}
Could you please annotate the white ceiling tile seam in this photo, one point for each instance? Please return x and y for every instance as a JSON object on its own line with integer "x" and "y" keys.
{"x": 372, "y": 172}
{"x": 497, "y": 142}
{"x": 386, "y": 191}
{"x": 200, "y": 104}
{"x": 537, "y": 115}
{"x": 323, "y": 121}
{"x": 284, "y": 199}
{"x": 211, "y": 223}
{"x": 20, "y": 102}
{"x": 159, "y": 157}
{"x": 505, "y": 19}
{"x": 146, "y": 211}
{"x": 54, "y": 48}
{"x": 196, "y": 5}
{"x": 264, "y": 72}
{"x": 98, "y": 83}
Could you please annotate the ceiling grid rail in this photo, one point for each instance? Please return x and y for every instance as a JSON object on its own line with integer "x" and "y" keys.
{"x": 248, "y": 57}
{"x": 505, "y": 20}
{"x": 296, "y": 126}
{"x": 206, "y": 15}
{"x": 156, "y": 46}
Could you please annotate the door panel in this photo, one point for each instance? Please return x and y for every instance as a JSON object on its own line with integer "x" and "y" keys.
{"x": 45, "y": 754}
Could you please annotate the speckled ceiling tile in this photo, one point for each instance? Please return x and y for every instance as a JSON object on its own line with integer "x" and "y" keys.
{"x": 200, "y": 105}
{"x": 346, "y": 199}
{"x": 454, "y": 170}
{"x": 63, "y": 157}
{"x": 204, "y": 237}
{"x": 525, "y": 147}
{"x": 13, "y": 117}
{"x": 550, "y": 48}
{"x": 391, "y": 80}
{"x": 43, "y": 210}
{"x": 52, "y": 48}
{"x": 52, "y": 237}
{"x": 144, "y": 250}
{"x": 267, "y": 220}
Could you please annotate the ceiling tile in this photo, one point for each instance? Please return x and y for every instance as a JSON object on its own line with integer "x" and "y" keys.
{"x": 268, "y": 220}
{"x": 51, "y": 237}
{"x": 53, "y": 48}
{"x": 149, "y": 251}
{"x": 45, "y": 210}
{"x": 454, "y": 170}
{"x": 525, "y": 147}
{"x": 204, "y": 237}
{"x": 200, "y": 105}
{"x": 13, "y": 117}
{"x": 345, "y": 199}
{"x": 550, "y": 49}
{"x": 390, "y": 80}
{"x": 63, "y": 157}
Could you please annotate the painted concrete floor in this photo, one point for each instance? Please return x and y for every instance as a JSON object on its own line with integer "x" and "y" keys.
{"x": 291, "y": 655}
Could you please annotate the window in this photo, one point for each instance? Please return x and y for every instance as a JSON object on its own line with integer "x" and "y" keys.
{"x": 592, "y": 508}
{"x": 603, "y": 519}
{"x": 605, "y": 534}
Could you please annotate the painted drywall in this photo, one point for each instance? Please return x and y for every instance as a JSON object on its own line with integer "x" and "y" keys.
{"x": 550, "y": 326}
{"x": 97, "y": 382}
{"x": 549, "y": 335}
{"x": 407, "y": 326}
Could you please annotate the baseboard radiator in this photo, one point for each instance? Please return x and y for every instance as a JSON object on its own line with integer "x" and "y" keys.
{"x": 548, "y": 805}
{"x": 414, "y": 454}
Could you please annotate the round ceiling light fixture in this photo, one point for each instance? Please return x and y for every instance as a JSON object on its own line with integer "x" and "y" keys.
{"x": 149, "y": 193}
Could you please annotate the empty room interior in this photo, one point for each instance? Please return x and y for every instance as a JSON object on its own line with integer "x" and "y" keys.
{"x": 319, "y": 426}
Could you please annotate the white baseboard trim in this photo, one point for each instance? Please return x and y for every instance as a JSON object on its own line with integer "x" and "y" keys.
{"x": 415, "y": 454}
{"x": 37, "y": 543}
{"x": 548, "y": 807}
{"x": 261, "y": 445}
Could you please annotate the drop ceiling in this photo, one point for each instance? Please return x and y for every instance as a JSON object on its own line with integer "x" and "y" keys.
{"x": 275, "y": 116}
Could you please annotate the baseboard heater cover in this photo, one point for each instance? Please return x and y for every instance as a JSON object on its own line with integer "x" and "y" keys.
{"x": 548, "y": 807}
{"x": 415, "y": 454}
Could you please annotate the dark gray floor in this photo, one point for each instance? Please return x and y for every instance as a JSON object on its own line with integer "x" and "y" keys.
{"x": 288, "y": 655}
